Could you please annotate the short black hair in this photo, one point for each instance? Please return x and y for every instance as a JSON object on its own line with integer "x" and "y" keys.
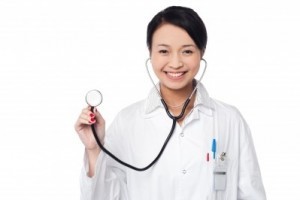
{"x": 183, "y": 17}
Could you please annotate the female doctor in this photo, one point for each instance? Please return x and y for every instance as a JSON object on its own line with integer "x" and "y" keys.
{"x": 211, "y": 153}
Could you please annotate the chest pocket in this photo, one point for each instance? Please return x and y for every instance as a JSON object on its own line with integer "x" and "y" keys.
{"x": 224, "y": 180}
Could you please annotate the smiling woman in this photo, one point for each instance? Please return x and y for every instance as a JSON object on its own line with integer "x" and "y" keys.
{"x": 226, "y": 168}
{"x": 53, "y": 52}
{"x": 175, "y": 63}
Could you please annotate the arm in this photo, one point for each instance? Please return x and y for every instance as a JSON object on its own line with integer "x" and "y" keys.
{"x": 101, "y": 178}
{"x": 250, "y": 182}
{"x": 83, "y": 129}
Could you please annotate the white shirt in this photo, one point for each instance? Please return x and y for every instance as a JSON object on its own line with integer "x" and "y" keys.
{"x": 183, "y": 172}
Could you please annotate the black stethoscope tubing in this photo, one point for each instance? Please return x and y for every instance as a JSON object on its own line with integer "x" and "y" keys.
{"x": 174, "y": 119}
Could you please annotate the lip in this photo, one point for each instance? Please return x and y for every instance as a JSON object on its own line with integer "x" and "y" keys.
{"x": 175, "y": 75}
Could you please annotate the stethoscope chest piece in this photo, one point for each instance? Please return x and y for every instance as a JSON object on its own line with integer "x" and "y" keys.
{"x": 93, "y": 98}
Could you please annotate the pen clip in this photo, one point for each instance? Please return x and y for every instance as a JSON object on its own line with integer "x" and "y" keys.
{"x": 214, "y": 148}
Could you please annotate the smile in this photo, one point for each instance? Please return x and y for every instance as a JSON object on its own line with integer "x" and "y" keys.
{"x": 175, "y": 74}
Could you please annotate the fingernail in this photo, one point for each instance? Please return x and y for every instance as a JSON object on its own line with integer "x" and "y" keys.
{"x": 92, "y": 119}
{"x": 92, "y": 115}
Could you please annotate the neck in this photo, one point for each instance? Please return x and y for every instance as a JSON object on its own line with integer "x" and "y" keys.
{"x": 175, "y": 101}
{"x": 176, "y": 98}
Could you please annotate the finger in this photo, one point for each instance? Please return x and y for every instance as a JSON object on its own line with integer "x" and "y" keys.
{"x": 99, "y": 117}
{"x": 87, "y": 112}
{"x": 84, "y": 120}
{"x": 86, "y": 117}
{"x": 89, "y": 119}
{"x": 80, "y": 123}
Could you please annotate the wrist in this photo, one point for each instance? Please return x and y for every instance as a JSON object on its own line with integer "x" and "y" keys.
{"x": 92, "y": 155}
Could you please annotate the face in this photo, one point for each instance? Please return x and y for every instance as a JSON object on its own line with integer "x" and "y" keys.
{"x": 175, "y": 58}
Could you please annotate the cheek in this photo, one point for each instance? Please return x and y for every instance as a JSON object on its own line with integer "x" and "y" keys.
{"x": 157, "y": 63}
{"x": 194, "y": 65}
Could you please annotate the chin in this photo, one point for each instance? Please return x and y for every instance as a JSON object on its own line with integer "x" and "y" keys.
{"x": 175, "y": 86}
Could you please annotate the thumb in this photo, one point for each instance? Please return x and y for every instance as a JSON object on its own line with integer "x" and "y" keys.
{"x": 98, "y": 116}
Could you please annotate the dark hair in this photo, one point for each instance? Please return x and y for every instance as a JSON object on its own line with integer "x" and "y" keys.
{"x": 183, "y": 17}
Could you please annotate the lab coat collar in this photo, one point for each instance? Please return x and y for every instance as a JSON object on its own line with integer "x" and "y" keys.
{"x": 202, "y": 101}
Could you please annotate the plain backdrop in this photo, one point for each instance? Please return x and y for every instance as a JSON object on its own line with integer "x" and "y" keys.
{"x": 53, "y": 51}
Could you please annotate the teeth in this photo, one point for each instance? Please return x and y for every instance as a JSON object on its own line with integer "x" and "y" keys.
{"x": 175, "y": 74}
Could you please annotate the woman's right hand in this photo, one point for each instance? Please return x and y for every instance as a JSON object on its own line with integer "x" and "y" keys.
{"x": 84, "y": 131}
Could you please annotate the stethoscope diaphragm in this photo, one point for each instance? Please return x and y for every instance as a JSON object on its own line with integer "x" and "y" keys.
{"x": 93, "y": 98}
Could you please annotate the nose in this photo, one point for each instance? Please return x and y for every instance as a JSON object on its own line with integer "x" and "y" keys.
{"x": 175, "y": 62}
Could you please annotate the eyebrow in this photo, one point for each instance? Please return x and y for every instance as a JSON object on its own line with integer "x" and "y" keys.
{"x": 186, "y": 45}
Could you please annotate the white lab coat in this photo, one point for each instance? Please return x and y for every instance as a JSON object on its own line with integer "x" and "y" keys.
{"x": 183, "y": 171}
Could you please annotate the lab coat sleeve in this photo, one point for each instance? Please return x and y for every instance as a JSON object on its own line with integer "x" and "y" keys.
{"x": 108, "y": 182}
{"x": 250, "y": 185}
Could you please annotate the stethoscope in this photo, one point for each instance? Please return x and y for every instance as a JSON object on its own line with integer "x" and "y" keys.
{"x": 94, "y": 98}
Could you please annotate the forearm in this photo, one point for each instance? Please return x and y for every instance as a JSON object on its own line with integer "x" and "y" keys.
{"x": 92, "y": 156}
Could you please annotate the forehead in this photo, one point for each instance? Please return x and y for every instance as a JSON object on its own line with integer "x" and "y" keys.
{"x": 169, "y": 34}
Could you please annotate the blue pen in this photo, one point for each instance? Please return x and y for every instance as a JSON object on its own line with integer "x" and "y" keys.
{"x": 214, "y": 148}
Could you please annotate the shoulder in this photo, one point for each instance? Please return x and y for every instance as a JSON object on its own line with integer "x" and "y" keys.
{"x": 225, "y": 111}
{"x": 133, "y": 110}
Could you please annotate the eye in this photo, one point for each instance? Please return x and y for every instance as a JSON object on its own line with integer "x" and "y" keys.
{"x": 187, "y": 52}
{"x": 163, "y": 51}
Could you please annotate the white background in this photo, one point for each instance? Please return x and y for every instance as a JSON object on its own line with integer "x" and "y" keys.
{"x": 52, "y": 52}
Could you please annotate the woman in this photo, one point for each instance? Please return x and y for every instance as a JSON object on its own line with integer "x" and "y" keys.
{"x": 210, "y": 155}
